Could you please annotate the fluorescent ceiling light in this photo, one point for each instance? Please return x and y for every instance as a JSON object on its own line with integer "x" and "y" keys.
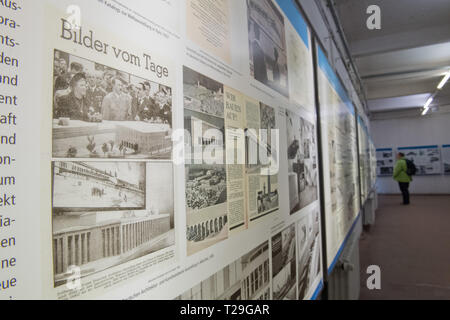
{"x": 428, "y": 103}
{"x": 444, "y": 81}
{"x": 426, "y": 107}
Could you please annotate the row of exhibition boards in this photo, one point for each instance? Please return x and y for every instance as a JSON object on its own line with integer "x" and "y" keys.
{"x": 255, "y": 230}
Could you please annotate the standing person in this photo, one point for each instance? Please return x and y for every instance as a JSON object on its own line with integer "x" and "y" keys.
{"x": 116, "y": 105}
{"x": 402, "y": 177}
{"x": 74, "y": 105}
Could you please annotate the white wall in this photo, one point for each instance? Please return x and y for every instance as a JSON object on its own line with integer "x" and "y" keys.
{"x": 413, "y": 131}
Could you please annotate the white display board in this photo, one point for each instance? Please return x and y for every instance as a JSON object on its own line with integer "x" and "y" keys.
{"x": 426, "y": 158}
{"x": 145, "y": 117}
{"x": 340, "y": 154}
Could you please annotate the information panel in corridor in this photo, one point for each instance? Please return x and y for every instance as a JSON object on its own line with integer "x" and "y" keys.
{"x": 160, "y": 149}
{"x": 340, "y": 158}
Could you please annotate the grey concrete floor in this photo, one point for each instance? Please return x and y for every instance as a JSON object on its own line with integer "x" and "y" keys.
{"x": 411, "y": 245}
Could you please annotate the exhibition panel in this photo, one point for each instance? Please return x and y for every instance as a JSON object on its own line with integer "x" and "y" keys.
{"x": 340, "y": 158}
{"x": 188, "y": 150}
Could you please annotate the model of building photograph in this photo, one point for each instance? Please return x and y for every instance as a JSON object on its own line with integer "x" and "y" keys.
{"x": 261, "y": 144}
{"x": 302, "y": 162}
{"x": 204, "y": 138}
{"x": 102, "y": 112}
{"x": 93, "y": 241}
{"x": 284, "y": 268}
{"x": 245, "y": 279}
{"x": 267, "y": 42}
{"x": 308, "y": 244}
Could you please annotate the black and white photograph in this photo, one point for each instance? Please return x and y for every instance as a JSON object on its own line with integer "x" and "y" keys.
{"x": 261, "y": 145}
{"x": 98, "y": 185}
{"x": 203, "y": 118}
{"x": 385, "y": 162}
{"x": 267, "y": 194}
{"x": 427, "y": 159}
{"x": 202, "y": 94}
{"x": 308, "y": 244}
{"x": 102, "y": 112}
{"x": 206, "y": 206}
{"x": 204, "y": 138}
{"x": 247, "y": 278}
{"x": 268, "y": 123}
{"x": 302, "y": 162}
{"x": 284, "y": 268}
{"x": 206, "y": 186}
{"x": 267, "y": 42}
{"x": 446, "y": 158}
{"x": 95, "y": 240}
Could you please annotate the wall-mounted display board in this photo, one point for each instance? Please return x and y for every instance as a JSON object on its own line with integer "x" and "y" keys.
{"x": 426, "y": 158}
{"x": 179, "y": 152}
{"x": 340, "y": 158}
{"x": 364, "y": 159}
{"x": 446, "y": 158}
{"x": 385, "y": 161}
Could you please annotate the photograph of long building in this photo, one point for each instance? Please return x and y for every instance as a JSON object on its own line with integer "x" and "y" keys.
{"x": 98, "y": 185}
{"x": 247, "y": 278}
{"x": 95, "y": 240}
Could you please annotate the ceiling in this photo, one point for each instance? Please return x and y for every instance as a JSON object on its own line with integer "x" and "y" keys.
{"x": 402, "y": 63}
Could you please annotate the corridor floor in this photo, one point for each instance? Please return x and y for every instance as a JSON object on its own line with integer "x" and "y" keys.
{"x": 411, "y": 245}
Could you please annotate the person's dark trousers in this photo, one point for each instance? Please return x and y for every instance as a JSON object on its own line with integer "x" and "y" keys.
{"x": 404, "y": 187}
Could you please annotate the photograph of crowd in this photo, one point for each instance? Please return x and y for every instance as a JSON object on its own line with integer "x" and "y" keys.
{"x": 102, "y": 112}
{"x": 206, "y": 186}
{"x": 284, "y": 269}
{"x": 302, "y": 162}
{"x": 267, "y": 41}
{"x": 96, "y": 185}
